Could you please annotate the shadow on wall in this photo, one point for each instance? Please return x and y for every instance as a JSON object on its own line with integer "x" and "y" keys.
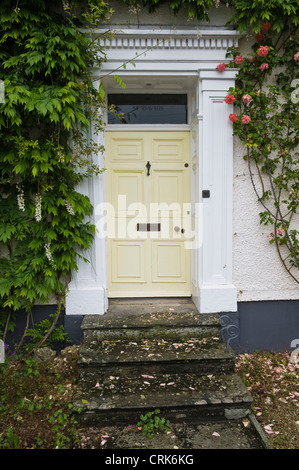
{"x": 39, "y": 313}
{"x": 256, "y": 326}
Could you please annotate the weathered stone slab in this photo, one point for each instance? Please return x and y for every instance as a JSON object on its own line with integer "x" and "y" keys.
{"x": 44, "y": 355}
{"x": 171, "y": 324}
{"x": 150, "y": 354}
{"x": 128, "y": 318}
{"x": 120, "y": 400}
{"x": 123, "y": 357}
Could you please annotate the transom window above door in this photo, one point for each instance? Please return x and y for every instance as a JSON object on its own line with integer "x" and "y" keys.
{"x": 146, "y": 108}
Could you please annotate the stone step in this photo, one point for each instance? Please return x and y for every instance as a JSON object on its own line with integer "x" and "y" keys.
{"x": 180, "y": 323}
{"x": 162, "y": 354}
{"x": 118, "y": 400}
{"x": 126, "y": 358}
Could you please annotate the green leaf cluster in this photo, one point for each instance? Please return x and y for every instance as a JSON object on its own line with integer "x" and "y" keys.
{"x": 247, "y": 15}
{"x": 151, "y": 423}
{"x": 251, "y": 14}
{"x": 45, "y": 148}
{"x": 38, "y": 333}
{"x": 197, "y": 9}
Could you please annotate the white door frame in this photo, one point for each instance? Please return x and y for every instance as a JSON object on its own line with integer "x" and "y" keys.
{"x": 187, "y": 62}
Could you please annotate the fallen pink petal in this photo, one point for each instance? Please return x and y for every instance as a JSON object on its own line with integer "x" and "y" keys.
{"x": 268, "y": 429}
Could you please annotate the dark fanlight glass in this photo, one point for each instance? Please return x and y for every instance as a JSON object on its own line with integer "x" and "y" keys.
{"x": 147, "y": 109}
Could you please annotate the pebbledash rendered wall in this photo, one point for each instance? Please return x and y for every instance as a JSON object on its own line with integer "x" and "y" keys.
{"x": 267, "y": 316}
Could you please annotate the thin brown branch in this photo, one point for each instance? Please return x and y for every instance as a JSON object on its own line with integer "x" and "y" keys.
{"x": 254, "y": 187}
{"x": 6, "y": 326}
{"x": 25, "y": 330}
{"x": 291, "y": 246}
{"x": 283, "y": 260}
{"x": 50, "y": 331}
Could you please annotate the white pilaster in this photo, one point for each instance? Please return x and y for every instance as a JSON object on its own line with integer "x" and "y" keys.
{"x": 215, "y": 291}
{"x": 87, "y": 291}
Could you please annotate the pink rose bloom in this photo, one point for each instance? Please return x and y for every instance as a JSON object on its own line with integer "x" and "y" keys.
{"x": 251, "y": 59}
{"x": 221, "y": 67}
{"x": 239, "y": 60}
{"x": 263, "y": 51}
{"x": 246, "y": 99}
{"x": 296, "y": 56}
{"x": 229, "y": 99}
{"x": 266, "y": 26}
{"x": 245, "y": 119}
{"x": 233, "y": 117}
{"x": 264, "y": 67}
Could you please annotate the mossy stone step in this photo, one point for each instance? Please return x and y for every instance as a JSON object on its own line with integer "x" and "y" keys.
{"x": 124, "y": 357}
{"x": 182, "y": 323}
{"x": 156, "y": 354}
{"x": 187, "y": 398}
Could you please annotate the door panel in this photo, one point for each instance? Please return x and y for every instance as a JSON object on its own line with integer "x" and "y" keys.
{"x": 147, "y": 253}
{"x": 124, "y": 149}
{"x": 168, "y": 262}
{"x": 128, "y": 187}
{"x": 168, "y": 148}
{"x": 128, "y": 261}
{"x": 168, "y": 187}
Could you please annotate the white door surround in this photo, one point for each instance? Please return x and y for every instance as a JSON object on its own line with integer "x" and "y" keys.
{"x": 174, "y": 61}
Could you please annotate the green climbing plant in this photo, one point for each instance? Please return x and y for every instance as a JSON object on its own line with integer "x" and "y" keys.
{"x": 198, "y": 9}
{"x": 46, "y": 150}
{"x": 266, "y": 99}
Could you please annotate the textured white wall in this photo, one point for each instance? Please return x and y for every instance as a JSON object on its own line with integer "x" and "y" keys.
{"x": 258, "y": 272}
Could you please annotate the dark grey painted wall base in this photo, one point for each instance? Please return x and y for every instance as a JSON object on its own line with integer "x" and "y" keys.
{"x": 256, "y": 326}
{"x": 39, "y": 313}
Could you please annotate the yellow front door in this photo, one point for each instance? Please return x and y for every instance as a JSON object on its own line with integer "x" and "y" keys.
{"x": 148, "y": 194}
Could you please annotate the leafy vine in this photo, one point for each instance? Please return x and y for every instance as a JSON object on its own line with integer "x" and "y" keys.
{"x": 198, "y": 9}
{"x": 267, "y": 123}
